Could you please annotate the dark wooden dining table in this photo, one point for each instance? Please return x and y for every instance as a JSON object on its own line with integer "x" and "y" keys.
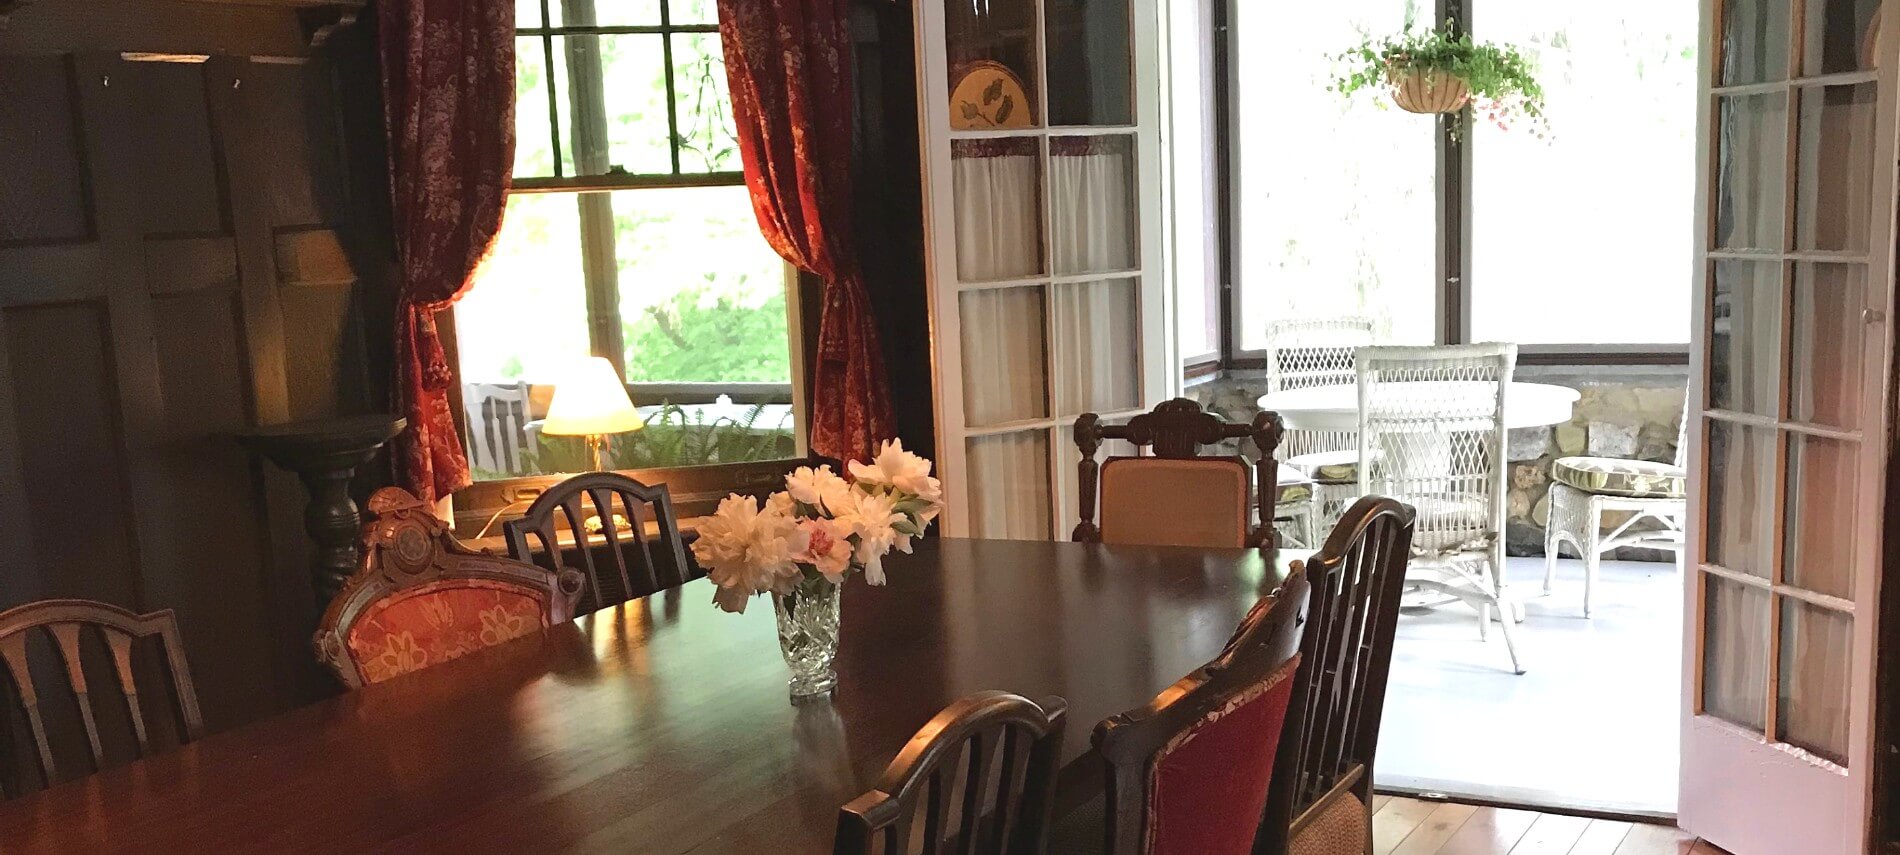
{"x": 663, "y": 725}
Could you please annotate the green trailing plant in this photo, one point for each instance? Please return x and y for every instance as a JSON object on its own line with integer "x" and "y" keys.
{"x": 1502, "y": 80}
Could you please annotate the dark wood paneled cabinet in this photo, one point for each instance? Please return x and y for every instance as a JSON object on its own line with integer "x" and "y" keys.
{"x": 188, "y": 248}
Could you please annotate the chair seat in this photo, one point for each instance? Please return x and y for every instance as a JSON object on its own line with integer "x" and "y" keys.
{"x": 1339, "y": 829}
{"x": 1329, "y": 467}
{"x": 1610, "y": 476}
{"x": 1293, "y": 488}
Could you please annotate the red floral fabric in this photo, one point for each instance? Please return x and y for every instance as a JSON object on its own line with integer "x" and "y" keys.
{"x": 431, "y": 624}
{"x": 788, "y": 63}
{"x": 1209, "y": 790}
{"x": 448, "y": 107}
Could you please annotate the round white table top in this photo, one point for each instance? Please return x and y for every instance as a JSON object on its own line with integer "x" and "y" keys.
{"x": 1337, "y": 407}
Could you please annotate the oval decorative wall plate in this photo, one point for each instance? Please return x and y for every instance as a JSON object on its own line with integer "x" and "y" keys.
{"x": 988, "y": 95}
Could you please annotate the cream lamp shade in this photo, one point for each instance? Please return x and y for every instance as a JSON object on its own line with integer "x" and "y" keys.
{"x": 590, "y": 401}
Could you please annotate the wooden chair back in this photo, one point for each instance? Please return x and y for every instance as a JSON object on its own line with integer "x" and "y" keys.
{"x": 420, "y": 597}
{"x": 66, "y": 622}
{"x": 1257, "y": 673}
{"x": 628, "y": 561}
{"x": 1356, "y": 578}
{"x": 1177, "y": 430}
{"x": 982, "y": 773}
{"x": 498, "y": 415}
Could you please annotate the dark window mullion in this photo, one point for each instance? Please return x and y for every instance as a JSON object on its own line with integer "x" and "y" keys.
{"x": 672, "y": 97}
{"x": 554, "y": 111}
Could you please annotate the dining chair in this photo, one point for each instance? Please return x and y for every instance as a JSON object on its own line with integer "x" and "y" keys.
{"x": 982, "y": 773}
{"x": 67, "y": 624}
{"x": 1324, "y": 778}
{"x": 420, "y": 598}
{"x": 1171, "y": 494}
{"x": 1432, "y": 435}
{"x": 1302, "y": 353}
{"x": 628, "y": 561}
{"x": 1585, "y": 489}
{"x": 1191, "y": 772}
{"x": 498, "y": 416}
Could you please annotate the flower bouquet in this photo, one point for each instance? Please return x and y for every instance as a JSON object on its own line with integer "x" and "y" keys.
{"x": 806, "y": 540}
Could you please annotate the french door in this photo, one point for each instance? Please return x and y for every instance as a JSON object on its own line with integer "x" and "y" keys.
{"x": 1042, "y": 209}
{"x": 1791, "y": 362}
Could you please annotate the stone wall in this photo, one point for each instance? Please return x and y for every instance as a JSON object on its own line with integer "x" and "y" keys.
{"x": 1624, "y": 411}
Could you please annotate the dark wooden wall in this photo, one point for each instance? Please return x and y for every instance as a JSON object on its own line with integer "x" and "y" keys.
{"x": 187, "y": 248}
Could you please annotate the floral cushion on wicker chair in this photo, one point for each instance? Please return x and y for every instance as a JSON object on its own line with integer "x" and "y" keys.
{"x": 1329, "y": 467}
{"x": 431, "y": 624}
{"x": 1641, "y": 479}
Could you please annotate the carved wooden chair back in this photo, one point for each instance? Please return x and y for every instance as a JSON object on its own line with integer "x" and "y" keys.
{"x": 1174, "y": 494}
{"x": 982, "y": 774}
{"x": 627, "y": 561}
{"x": 1324, "y": 783}
{"x": 498, "y": 416}
{"x": 1193, "y": 770}
{"x": 66, "y": 623}
{"x": 420, "y": 597}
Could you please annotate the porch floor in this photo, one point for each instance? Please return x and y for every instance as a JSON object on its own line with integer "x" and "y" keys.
{"x": 1592, "y": 724}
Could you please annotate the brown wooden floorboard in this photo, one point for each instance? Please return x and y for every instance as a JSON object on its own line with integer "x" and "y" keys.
{"x": 1407, "y": 826}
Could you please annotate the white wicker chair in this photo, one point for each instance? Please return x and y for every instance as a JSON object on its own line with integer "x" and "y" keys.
{"x": 1647, "y": 491}
{"x": 1431, "y": 433}
{"x": 1307, "y": 352}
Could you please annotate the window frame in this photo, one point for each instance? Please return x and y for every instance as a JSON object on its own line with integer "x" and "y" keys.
{"x": 695, "y": 490}
{"x": 1452, "y": 230}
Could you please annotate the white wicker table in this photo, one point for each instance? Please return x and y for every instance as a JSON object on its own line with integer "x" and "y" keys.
{"x": 1336, "y": 408}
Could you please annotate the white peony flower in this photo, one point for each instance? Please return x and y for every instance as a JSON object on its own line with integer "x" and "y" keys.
{"x": 746, "y": 551}
{"x": 780, "y": 503}
{"x": 895, "y": 467}
{"x": 820, "y": 488}
{"x": 871, "y": 519}
{"x": 829, "y": 548}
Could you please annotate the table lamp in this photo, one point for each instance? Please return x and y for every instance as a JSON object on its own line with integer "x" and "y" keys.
{"x": 591, "y": 402}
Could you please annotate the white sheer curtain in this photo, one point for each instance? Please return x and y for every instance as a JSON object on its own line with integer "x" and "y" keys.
{"x": 1003, "y": 373}
{"x": 1096, "y": 332}
{"x": 999, "y": 222}
{"x": 1091, "y": 193}
{"x": 1009, "y": 485}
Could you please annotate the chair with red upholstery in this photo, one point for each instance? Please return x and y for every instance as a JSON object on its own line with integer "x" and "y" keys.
{"x": 1174, "y": 495}
{"x": 421, "y": 598}
{"x": 1191, "y": 773}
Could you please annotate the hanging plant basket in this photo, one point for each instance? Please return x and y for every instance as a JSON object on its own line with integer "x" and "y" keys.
{"x": 1421, "y": 90}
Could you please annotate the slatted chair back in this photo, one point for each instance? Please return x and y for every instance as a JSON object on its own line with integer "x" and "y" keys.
{"x": 421, "y": 598}
{"x": 1193, "y": 770}
{"x": 66, "y": 622}
{"x": 1173, "y": 495}
{"x": 626, "y": 561}
{"x": 981, "y": 776}
{"x": 498, "y": 415}
{"x": 1324, "y": 783}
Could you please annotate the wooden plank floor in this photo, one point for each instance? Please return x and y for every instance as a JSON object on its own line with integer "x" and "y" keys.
{"x": 1407, "y": 826}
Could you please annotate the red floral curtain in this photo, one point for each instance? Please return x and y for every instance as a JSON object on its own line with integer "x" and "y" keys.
{"x": 449, "y": 105}
{"x": 789, "y": 66}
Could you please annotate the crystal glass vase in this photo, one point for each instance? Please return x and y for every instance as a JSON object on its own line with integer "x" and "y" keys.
{"x": 808, "y": 634}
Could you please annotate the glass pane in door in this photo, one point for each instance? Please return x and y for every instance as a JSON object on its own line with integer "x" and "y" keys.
{"x": 1009, "y": 485}
{"x": 1834, "y": 178}
{"x": 1005, "y": 377}
{"x": 998, "y": 198}
{"x": 1093, "y": 213}
{"x": 1816, "y": 649}
{"x": 1752, "y": 133}
{"x": 1825, "y": 344}
{"x": 1754, "y": 41}
{"x": 1090, "y": 76}
{"x": 1744, "y": 336}
{"x": 1735, "y": 652}
{"x": 1819, "y": 547}
{"x": 1097, "y": 355}
{"x": 991, "y": 46}
{"x": 1839, "y": 36}
{"x": 1740, "y": 528}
